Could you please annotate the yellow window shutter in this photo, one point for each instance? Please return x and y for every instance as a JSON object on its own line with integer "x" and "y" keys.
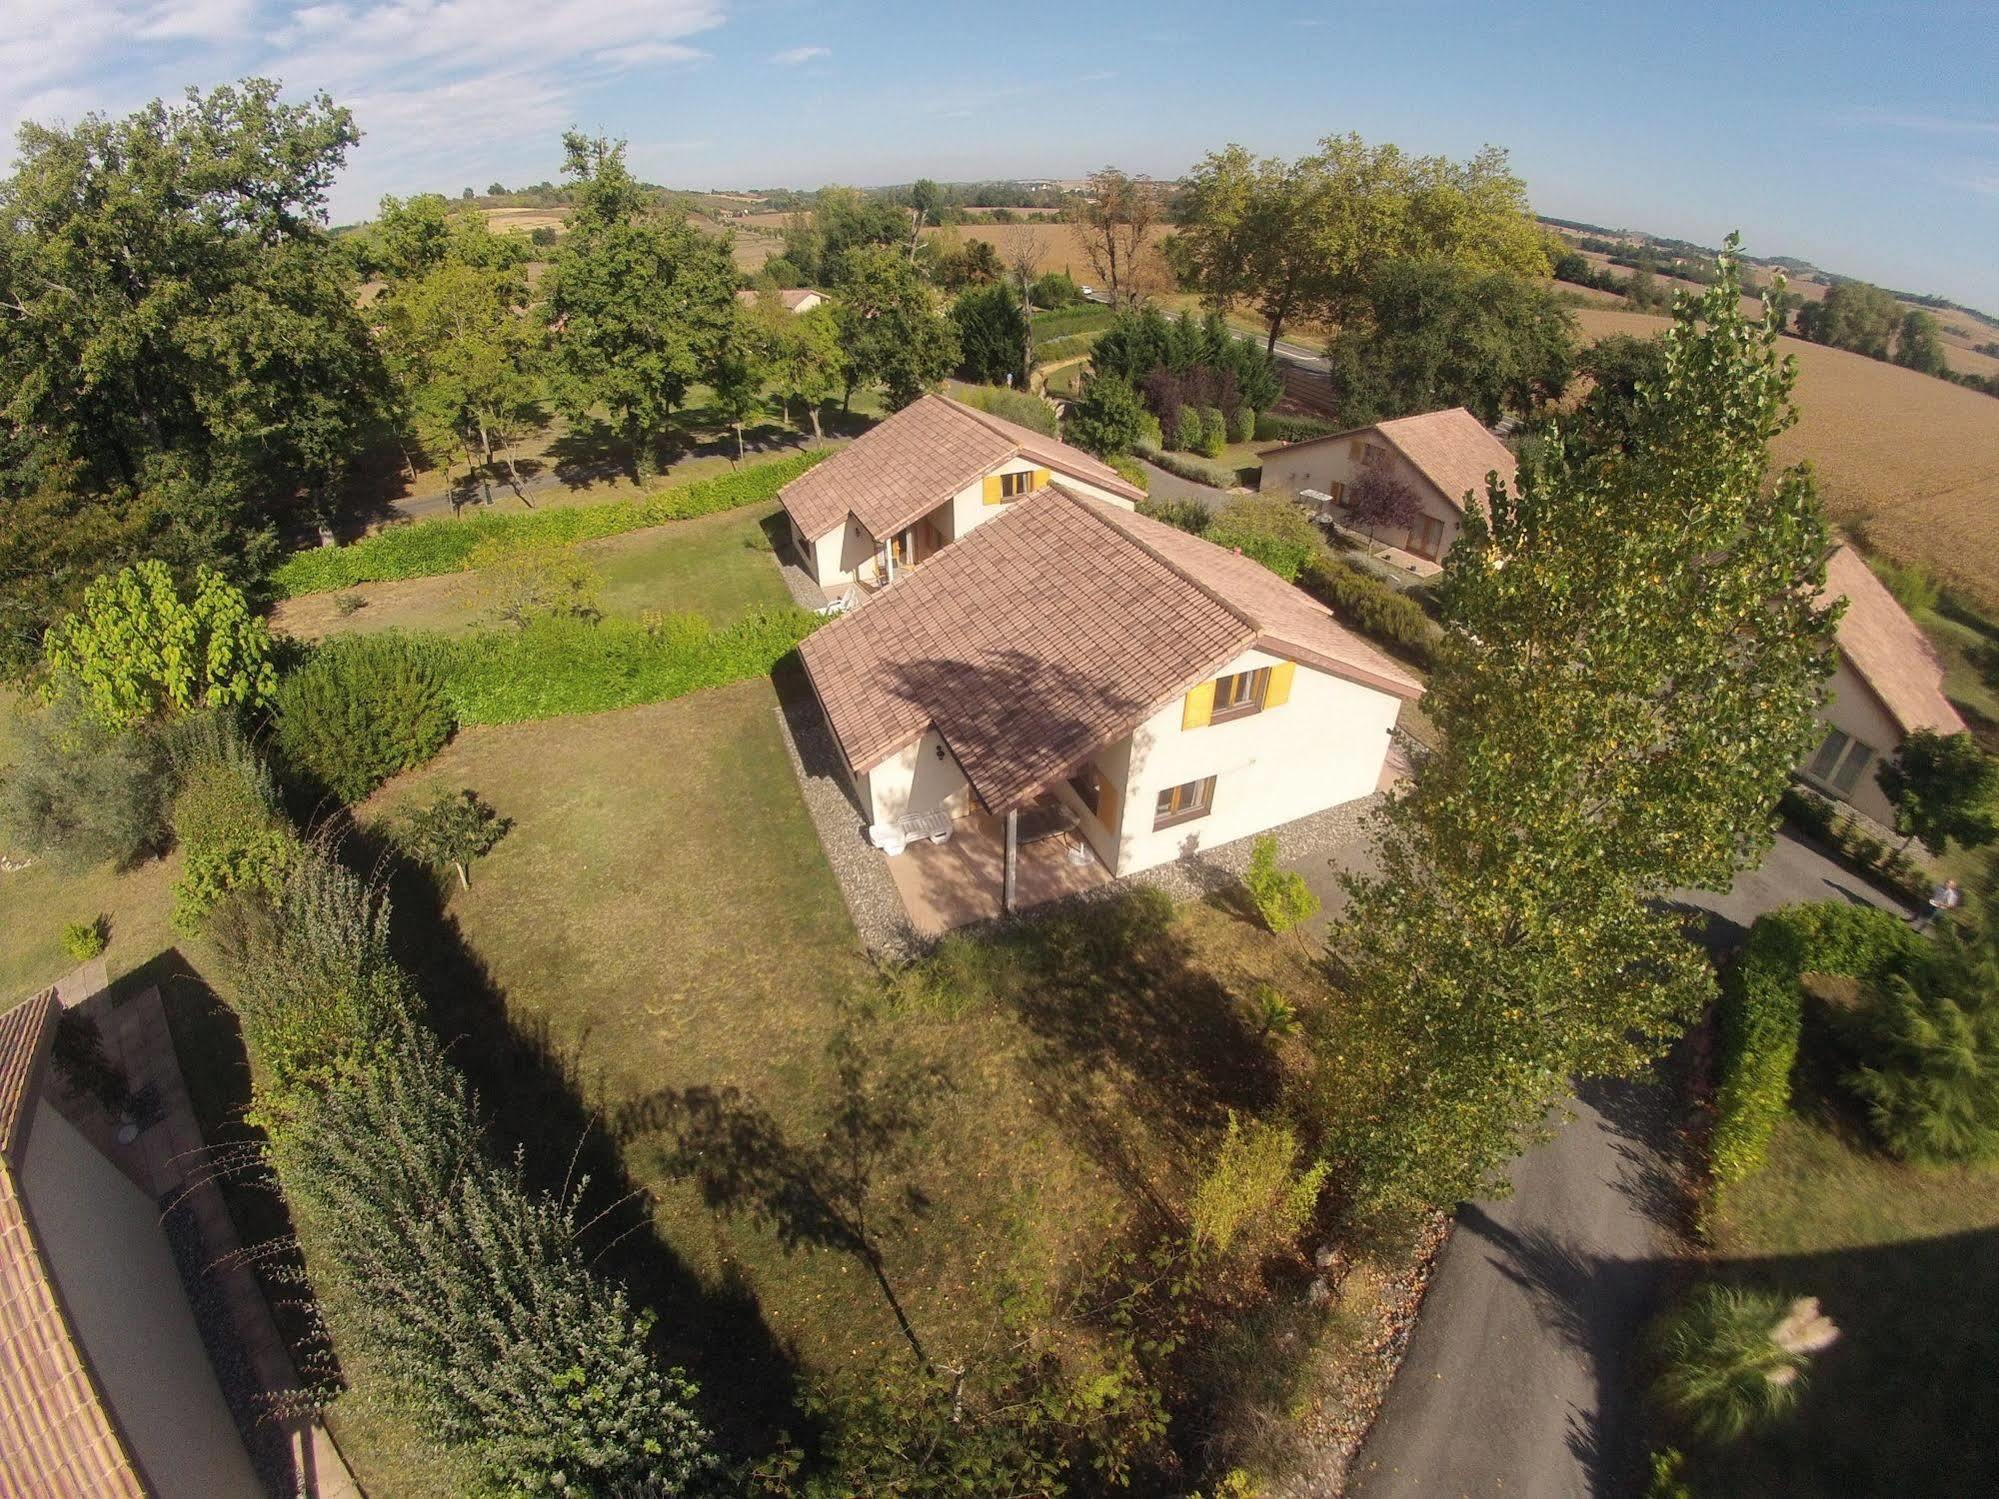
{"x": 1106, "y": 803}
{"x": 1200, "y": 707}
{"x": 1277, "y": 691}
{"x": 1041, "y": 478}
{"x": 993, "y": 495}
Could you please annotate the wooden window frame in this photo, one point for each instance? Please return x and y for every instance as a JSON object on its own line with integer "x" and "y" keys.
{"x": 1256, "y": 686}
{"x": 1088, "y": 784}
{"x": 1014, "y": 486}
{"x": 1169, "y": 811}
{"x": 1420, "y": 536}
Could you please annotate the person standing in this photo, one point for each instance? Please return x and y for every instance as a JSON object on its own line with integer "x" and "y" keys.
{"x": 1943, "y": 900}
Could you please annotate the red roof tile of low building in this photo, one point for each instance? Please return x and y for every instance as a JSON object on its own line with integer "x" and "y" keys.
{"x": 1451, "y": 449}
{"x": 920, "y": 457}
{"x": 57, "y": 1435}
{"x": 1053, "y": 630}
{"x": 1887, "y": 649}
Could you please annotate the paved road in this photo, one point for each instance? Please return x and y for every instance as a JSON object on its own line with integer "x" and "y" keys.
{"x": 1161, "y": 485}
{"x": 1515, "y": 1379}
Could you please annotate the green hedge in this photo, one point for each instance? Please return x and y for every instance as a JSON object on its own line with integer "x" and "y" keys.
{"x": 423, "y": 549}
{"x": 561, "y": 664}
{"x": 1365, "y": 603}
{"x": 1762, "y": 1013}
{"x": 1194, "y": 470}
{"x": 1075, "y": 346}
{"x": 1270, "y": 427}
{"x": 1088, "y": 318}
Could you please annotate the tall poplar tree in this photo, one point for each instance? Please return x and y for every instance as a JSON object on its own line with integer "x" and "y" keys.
{"x": 1633, "y": 664}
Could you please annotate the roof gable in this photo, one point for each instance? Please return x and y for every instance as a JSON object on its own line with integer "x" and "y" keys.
{"x": 1886, "y": 649}
{"x": 920, "y": 457}
{"x": 1053, "y": 630}
{"x": 1450, "y": 449}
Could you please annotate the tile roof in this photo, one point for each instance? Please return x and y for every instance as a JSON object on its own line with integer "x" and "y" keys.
{"x": 919, "y": 458}
{"x": 1053, "y": 630}
{"x": 1887, "y": 649}
{"x": 1451, "y": 449}
{"x": 57, "y": 1435}
{"x": 792, "y": 297}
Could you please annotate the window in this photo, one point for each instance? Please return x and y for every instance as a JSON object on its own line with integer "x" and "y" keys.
{"x": 1240, "y": 695}
{"x": 1828, "y": 756}
{"x": 1088, "y": 784}
{"x": 1337, "y": 493}
{"x": 1357, "y": 450}
{"x": 1428, "y": 537}
{"x": 1840, "y": 761}
{"x": 1849, "y": 770}
{"x": 1013, "y": 486}
{"x": 1372, "y": 456}
{"x": 1184, "y": 803}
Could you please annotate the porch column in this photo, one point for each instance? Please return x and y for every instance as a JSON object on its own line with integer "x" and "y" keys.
{"x": 1012, "y": 858}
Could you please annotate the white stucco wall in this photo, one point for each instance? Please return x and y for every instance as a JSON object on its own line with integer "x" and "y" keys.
{"x": 1325, "y": 746}
{"x": 118, "y": 1281}
{"x": 1320, "y": 465}
{"x": 1853, "y": 709}
{"x": 849, "y": 552}
{"x": 917, "y": 780}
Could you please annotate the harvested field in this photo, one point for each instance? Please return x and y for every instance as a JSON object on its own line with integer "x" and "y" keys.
{"x": 523, "y": 220}
{"x": 1914, "y": 458}
{"x": 1061, "y": 248}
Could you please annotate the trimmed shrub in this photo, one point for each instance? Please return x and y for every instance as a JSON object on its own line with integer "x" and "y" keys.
{"x": 1366, "y": 604}
{"x": 1281, "y": 896}
{"x": 1190, "y": 432}
{"x": 1130, "y": 470}
{"x": 422, "y": 549}
{"x": 83, "y": 940}
{"x": 1762, "y": 1013}
{"x": 1270, "y": 530}
{"x": 557, "y": 665}
{"x": 226, "y": 790}
{"x": 1214, "y": 431}
{"x": 1071, "y": 321}
{"x": 1270, "y": 427}
{"x": 1241, "y": 424}
{"x": 1190, "y": 516}
{"x": 362, "y": 709}
{"x": 1193, "y": 470}
{"x": 1022, "y": 407}
{"x": 1055, "y": 289}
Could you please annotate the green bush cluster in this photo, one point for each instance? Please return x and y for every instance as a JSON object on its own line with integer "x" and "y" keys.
{"x": 1253, "y": 1199}
{"x": 1214, "y": 432}
{"x": 1190, "y": 516}
{"x": 1281, "y": 896}
{"x": 1241, "y": 424}
{"x": 1194, "y": 470}
{"x": 1022, "y": 407}
{"x": 361, "y": 709}
{"x": 254, "y": 865}
{"x": 79, "y": 793}
{"x": 1067, "y": 321}
{"x": 557, "y": 665}
{"x": 1130, "y": 470}
{"x": 1930, "y": 1078}
{"x": 1269, "y": 529}
{"x": 1821, "y": 818}
{"x": 1366, "y": 604}
{"x": 1056, "y": 350}
{"x": 422, "y": 549}
{"x": 83, "y": 940}
{"x": 1270, "y": 427}
{"x": 1762, "y": 1013}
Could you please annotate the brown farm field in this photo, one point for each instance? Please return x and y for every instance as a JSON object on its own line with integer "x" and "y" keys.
{"x": 523, "y": 220}
{"x": 1914, "y": 459}
{"x": 1059, "y": 246}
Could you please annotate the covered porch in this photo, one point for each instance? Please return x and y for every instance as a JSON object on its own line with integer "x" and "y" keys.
{"x": 953, "y": 884}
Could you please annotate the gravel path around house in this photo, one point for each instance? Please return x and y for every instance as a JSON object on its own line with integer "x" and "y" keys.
{"x": 804, "y": 592}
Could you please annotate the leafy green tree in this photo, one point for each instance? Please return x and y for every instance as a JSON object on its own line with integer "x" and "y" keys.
{"x": 142, "y": 647}
{"x": 1919, "y": 343}
{"x": 451, "y": 831}
{"x": 187, "y": 370}
{"x": 1618, "y": 367}
{"x": 805, "y": 358}
{"x": 1943, "y": 788}
{"x": 992, "y": 336}
{"x": 891, "y": 333}
{"x": 1437, "y": 335}
{"x": 642, "y": 306}
{"x": 1054, "y": 290}
{"x": 79, "y": 793}
{"x": 1620, "y": 708}
{"x": 741, "y": 371}
{"x": 1109, "y": 419}
{"x": 1853, "y": 315}
{"x": 1270, "y": 529}
{"x": 412, "y": 237}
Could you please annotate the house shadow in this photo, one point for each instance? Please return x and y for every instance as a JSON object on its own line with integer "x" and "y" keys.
{"x": 533, "y": 1092}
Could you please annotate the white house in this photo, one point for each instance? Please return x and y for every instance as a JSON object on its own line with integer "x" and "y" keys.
{"x": 1440, "y": 456}
{"x": 1887, "y": 683}
{"x": 794, "y": 299}
{"x": 902, "y": 492}
{"x": 1073, "y": 659}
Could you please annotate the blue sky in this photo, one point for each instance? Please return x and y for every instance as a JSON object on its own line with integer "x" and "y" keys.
{"x": 1866, "y": 139}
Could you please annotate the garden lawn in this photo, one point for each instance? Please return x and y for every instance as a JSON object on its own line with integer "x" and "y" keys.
{"x": 1906, "y": 1262}
{"x": 718, "y": 566}
{"x": 661, "y": 925}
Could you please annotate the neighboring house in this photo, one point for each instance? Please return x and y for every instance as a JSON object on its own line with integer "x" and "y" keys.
{"x": 105, "y": 1389}
{"x": 1887, "y": 684}
{"x": 795, "y": 299}
{"x": 1442, "y": 456}
{"x": 902, "y": 492}
{"x": 1172, "y": 694}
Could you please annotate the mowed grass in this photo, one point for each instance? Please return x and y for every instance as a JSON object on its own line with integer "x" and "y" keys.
{"x": 1913, "y": 459}
{"x": 718, "y": 566}
{"x": 1906, "y": 1262}
{"x": 661, "y": 918}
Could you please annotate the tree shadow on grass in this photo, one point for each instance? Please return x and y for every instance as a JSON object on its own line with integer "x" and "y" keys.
{"x": 533, "y": 1090}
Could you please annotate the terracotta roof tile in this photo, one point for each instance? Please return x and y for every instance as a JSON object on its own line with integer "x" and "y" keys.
{"x": 1451, "y": 449}
{"x": 1887, "y": 649}
{"x": 1051, "y": 631}
{"x": 920, "y": 457}
{"x": 57, "y": 1435}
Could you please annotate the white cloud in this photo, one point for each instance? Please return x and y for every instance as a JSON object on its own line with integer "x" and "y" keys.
{"x": 441, "y": 89}
{"x": 791, "y": 57}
